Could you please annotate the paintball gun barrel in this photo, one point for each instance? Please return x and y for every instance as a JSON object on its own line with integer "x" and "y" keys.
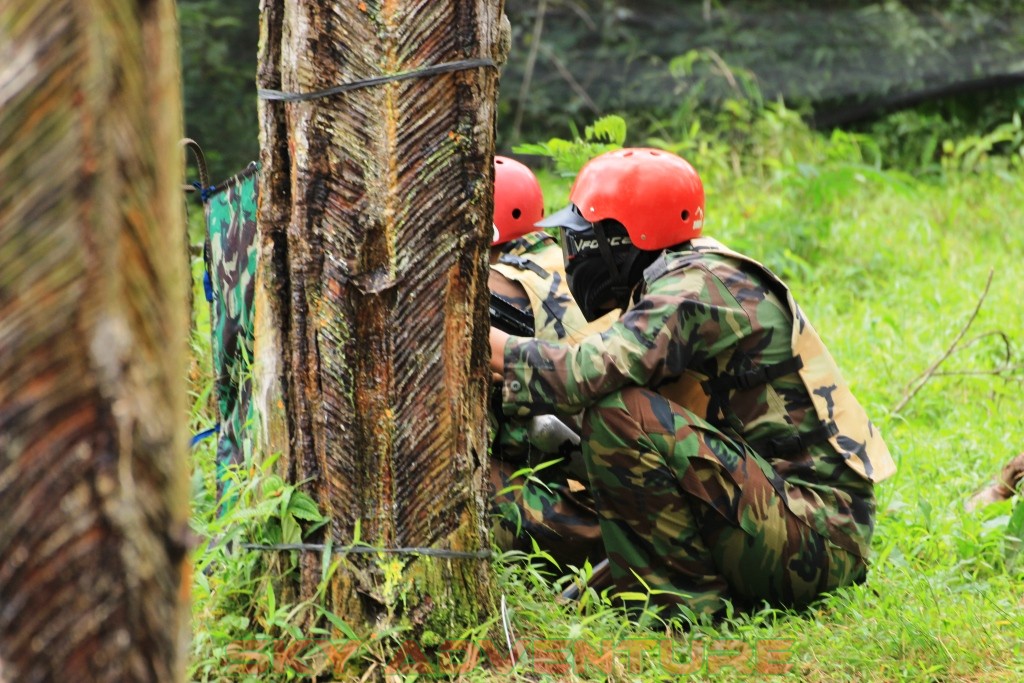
{"x": 509, "y": 319}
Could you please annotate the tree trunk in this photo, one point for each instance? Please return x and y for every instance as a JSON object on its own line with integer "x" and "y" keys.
{"x": 375, "y": 220}
{"x": 93, "y": 485}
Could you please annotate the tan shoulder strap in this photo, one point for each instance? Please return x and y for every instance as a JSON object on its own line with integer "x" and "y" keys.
{"x": 855, "y": 438}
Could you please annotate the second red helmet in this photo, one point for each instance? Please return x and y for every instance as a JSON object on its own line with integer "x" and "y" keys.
{"x": 518, "y": 201}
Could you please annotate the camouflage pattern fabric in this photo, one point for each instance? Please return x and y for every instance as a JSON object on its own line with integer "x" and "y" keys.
{"x": 544, "y": 508}
{"x": 532, "y": 265}
{"x": 689, "y": 467}
{"x": 696, "y": 515}
{"x": 231, "y": 229}
{"x": 534, "y": 261}
{"x": 850, "y": 432}
{"x": 529, "y": 275}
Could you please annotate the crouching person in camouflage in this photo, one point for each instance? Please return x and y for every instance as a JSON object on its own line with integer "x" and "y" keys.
{"x": 527, "y": 271}
{"x": 727, "y": 458}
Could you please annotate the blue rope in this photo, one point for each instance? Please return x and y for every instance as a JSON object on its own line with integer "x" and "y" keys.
{"x": 208, "y": 286}
{"x": 204, "y": 435}
{"x": 204, "y": 192}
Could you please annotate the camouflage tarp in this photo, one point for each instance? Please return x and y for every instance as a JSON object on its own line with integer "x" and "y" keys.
{"x": 230, "y": 209}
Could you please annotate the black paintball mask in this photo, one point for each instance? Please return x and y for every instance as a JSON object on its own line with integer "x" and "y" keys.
{"x": 602, "y": 266}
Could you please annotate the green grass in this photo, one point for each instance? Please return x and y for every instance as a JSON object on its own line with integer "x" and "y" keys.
{"x": 890, "y": 269}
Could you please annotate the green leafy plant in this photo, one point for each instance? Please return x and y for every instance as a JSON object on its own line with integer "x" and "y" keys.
{"x": 977, "y": 151}
{"x": 604, "y": 135}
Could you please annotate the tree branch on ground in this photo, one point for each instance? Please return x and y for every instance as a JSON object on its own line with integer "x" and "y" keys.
{"x": 916, "y": 384}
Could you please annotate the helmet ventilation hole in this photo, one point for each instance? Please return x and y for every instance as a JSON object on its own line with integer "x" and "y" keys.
{"x": 685, "y": 215}
{"x": 516, "y": 213}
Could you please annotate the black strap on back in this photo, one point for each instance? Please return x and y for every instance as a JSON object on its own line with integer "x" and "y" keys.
{"x": 523, "y": 264}
{"x": 754, "y": 378}
{"x": 785, "y": 446}
{"x": 718, "y": 389}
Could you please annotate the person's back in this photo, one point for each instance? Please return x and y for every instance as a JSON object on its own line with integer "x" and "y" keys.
{"x": 744, "y": 379}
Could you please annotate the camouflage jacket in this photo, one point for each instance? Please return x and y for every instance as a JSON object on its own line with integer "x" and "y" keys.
{"x": 534, "y": 261}
{"x": 707, "y": 316}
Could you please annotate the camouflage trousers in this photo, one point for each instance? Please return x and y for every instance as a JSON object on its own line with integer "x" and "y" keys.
{"x": 682, "y": 509}
{"x": 549, "y": 509}
{"x": 693, "y": 515}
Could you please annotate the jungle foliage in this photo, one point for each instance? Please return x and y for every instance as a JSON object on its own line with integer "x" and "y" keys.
{"x": 899, "y": 239}
{"x": 912, "y": 281}
{"x": 838, "y": 62}
{"x": 947, "y": 66}
{"x": 218, "y": 62}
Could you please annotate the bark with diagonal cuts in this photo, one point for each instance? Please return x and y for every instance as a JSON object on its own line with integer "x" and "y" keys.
{"x": 375, "y": 217}
{"x": 93, "y": 329}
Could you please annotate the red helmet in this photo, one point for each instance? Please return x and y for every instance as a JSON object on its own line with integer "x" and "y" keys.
{"x": 655, "y": 194}
{"x": 518, "y": 201}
